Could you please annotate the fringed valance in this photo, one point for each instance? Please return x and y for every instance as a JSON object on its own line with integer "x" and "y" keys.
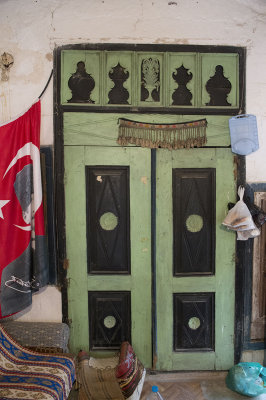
{"x": 166, "y": 136}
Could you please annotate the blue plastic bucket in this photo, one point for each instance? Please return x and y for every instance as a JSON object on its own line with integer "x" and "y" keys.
{"x": 244, "y": 134}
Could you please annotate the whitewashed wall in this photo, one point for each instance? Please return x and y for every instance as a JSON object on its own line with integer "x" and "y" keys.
{"x": 31, "y": 29}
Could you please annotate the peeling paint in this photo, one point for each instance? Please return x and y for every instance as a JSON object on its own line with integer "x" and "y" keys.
{"x": 144, "y": 179}
{"x": 145, "y": 250}
{"x": 166, "y": 40}
{"x": 99, "y": 178}
{"x": 144, "y": 239}
{"x": 4, "y": 102}
{"x": 49, "y": 56}
{"x": 6, "y": 62}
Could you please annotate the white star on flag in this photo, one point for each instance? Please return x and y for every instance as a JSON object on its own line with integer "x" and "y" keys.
{"x": 2, "y": 204}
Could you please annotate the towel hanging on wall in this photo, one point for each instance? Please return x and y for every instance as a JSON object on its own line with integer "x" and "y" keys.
{"x": 167, "y": 136}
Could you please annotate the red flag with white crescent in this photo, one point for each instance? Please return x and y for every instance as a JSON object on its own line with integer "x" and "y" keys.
{"x": 23, "y": 250}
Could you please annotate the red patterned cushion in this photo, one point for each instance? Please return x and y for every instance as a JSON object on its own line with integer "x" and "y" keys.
{"x": 129, "y": 370}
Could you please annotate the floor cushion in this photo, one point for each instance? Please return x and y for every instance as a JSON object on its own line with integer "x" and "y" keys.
{"x": 118, "y": 378}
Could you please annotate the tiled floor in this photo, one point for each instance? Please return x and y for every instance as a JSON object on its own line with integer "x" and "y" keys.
{"x": 190, "y": 386}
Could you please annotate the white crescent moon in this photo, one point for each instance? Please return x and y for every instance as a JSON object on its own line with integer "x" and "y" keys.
{"x": 29, "y": 149}
{"x": 24, "y": 228}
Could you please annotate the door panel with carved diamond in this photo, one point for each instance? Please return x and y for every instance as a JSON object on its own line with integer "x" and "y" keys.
{"x": 194, "y": 209}
{"x": 108, "y": 236}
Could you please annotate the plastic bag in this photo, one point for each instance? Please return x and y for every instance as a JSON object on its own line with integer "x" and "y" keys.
{"x": 245, "y": 235}
{"x": 258, "y": 215}
{"x": 239, "y": 217}
{"x": 247, "y": 378}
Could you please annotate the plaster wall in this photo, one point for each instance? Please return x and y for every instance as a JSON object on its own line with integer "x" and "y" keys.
{"x": 31, "y": 29}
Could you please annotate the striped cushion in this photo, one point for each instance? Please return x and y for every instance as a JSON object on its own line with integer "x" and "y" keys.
{"x": 129, "y": 370}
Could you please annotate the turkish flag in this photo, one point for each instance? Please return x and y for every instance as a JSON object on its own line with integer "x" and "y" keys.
{"x": 23, "y": 249}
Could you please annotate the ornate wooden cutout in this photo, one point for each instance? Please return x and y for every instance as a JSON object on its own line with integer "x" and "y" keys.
{"x": 218, "y": 87}
{"x": 150, "y": 80}
{"x": 118, "y": 94}
{"x": 81, "y": 85}
{"x": 182, "y": 95}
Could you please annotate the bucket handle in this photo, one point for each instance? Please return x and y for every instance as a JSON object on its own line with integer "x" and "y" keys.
{"x": 242, "y": 116}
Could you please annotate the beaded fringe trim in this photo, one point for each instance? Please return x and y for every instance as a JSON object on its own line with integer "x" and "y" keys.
{"x": 166, "y": 136}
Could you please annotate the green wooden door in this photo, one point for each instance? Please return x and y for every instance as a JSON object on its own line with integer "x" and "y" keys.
{"x": 194, "y": 254}
{"x": 107, "y": 190}
{"x": 195, "y": 260}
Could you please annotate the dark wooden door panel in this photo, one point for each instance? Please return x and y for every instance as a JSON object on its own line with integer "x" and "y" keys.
{"x": 193, "y": 321}
{"x": 194, "y": 221}
{"x": 109, "y": 319}
{"x": 108, "y": 240}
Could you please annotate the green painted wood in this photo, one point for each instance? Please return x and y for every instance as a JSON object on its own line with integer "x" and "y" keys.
{"x": 202, "y": 65}
{"x": 222, "y": 283}
{"x": 229, "y": 63}
{"x": 189, "y": 61}
{"x": 225, "y": 262}
{"x": 76, "y": 247}
{"x": 208, "y": 285}
{"x": 139, "y": 283}
{"x": 93, "y": 64}
{"x": 160, "y": 57}
{"x": 107, "y": 281}
{"x": 112, "y": 58}
{"x": 102, "y": 128}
